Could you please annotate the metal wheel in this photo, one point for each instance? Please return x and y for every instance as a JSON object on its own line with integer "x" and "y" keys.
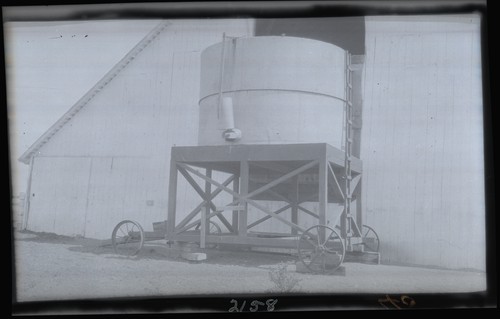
{"x": 127, "y": 238}
{"x": 370, "y": 239}
{"x": 321, "y": 249}
{"x": 213, "y": 228}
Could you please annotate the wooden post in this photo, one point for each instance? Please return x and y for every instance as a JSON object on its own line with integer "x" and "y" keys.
{"x": 323, "y": 192}
{"x": 343, "y": 224}
{"x": 359, "y": 212}
{"x": 236, "y": 189}
{"x": 205, "y": 222}
{"x": 172, "y": 198}
{"x": 295, "y": 203}
{"x": 244, "y": 180}
{"x": 205, "y": 211}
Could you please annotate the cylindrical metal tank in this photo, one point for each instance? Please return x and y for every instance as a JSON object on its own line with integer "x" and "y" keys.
{"x": 283, "y": 90}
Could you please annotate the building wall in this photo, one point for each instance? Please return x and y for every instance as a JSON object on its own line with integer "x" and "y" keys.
{"x": 111, "y": 160}
{"x": 422, "y": 144}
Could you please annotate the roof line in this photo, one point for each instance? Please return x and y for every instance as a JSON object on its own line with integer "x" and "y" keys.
{"x": 87, "y": 97}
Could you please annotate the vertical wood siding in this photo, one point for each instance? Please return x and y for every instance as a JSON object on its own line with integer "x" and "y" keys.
{"x": 58, "y": 195}
{"x": 422, "y": 144}
{"x": 124, "y": 136}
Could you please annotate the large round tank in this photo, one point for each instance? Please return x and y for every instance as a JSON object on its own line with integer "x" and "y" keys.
{"x": 282, "y": 90}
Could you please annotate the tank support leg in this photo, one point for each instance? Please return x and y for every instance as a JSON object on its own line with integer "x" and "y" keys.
{"x": 323, "y": 194}
{"x": 295, "y": 203}
{"x": 244, "y": 179}
{"x": 172, "y": 198}
{"x": 236, "y": 189}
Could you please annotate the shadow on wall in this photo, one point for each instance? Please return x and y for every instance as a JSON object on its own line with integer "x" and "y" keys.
{"x": 345, "y": 32}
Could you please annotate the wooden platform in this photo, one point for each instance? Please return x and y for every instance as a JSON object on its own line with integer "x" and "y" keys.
{"x": 226, "y": 158}
{"x": 290, "y": 173}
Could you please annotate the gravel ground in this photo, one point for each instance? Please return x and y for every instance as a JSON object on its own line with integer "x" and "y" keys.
{"x": 52, "y": 267}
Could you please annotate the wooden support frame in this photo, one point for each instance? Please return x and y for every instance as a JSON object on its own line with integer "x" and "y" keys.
{"x": 359, "y": 214}
{"x": 204, "y": 227}
{"x": 341, "y": 191}
{"x": 195, "y": 186}
{"x": 198, "y": 208}
{"x": 295, "y": 203}
{"x": 355, "y": 183}
{"x": 250, "y": 167}
{"x": 242, "y": 198}
{"x": 322, "y": 195}
{"x": 283, "y": 178}
{"x": 235, "y": 214}
{"x": 244, "y": 179}
{"x": 263, "y": 219}
{"x": 224, "y": 221}
{"x": 278, "y": 196}
{"x": 307, "y": 211}
{"x": 183, "y": 167}
{"x": 172, "y": 199}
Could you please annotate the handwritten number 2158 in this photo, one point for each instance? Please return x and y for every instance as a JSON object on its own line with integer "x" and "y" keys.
{"x": 254, "y": 305}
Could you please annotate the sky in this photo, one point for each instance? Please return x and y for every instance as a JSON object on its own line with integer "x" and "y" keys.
{"x": 49, "y": 66}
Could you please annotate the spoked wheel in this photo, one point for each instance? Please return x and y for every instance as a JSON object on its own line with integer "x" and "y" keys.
{"x": 321, "y": 249}
{"x": 370, "y": 239}
{"x": 127, "y": 238}
{"x": 213, "y": 228}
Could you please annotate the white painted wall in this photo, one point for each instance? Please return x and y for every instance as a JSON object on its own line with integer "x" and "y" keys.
{"x": 124, "y": 135}
{"x": 422, "y": 142}
{"x": 49, "y": 66}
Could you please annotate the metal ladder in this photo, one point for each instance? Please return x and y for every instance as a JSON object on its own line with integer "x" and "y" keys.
{"x": 348, "y": 149}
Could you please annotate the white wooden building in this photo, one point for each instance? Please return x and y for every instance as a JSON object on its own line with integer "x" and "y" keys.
{"x": 107, "y": 158}
{"x": 422, "y": 140}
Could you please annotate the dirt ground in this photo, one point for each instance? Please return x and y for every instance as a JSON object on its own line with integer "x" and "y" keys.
{"x": 52, "y": 267}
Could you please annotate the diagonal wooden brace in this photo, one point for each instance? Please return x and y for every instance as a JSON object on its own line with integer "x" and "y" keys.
{"x": 355, "y": 183}
{"x": 263, "y": 219}
{"x": 336, "y": 181}
{"x": 198, "y": 208}
{"x": 281, "y": 179}
{"x": 195, "y": 186}
{"x": 307, "y": 211}
{"x": 248, "y": 200}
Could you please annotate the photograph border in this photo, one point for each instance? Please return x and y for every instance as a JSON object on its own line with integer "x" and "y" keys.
{"x": 275, "y": 9}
